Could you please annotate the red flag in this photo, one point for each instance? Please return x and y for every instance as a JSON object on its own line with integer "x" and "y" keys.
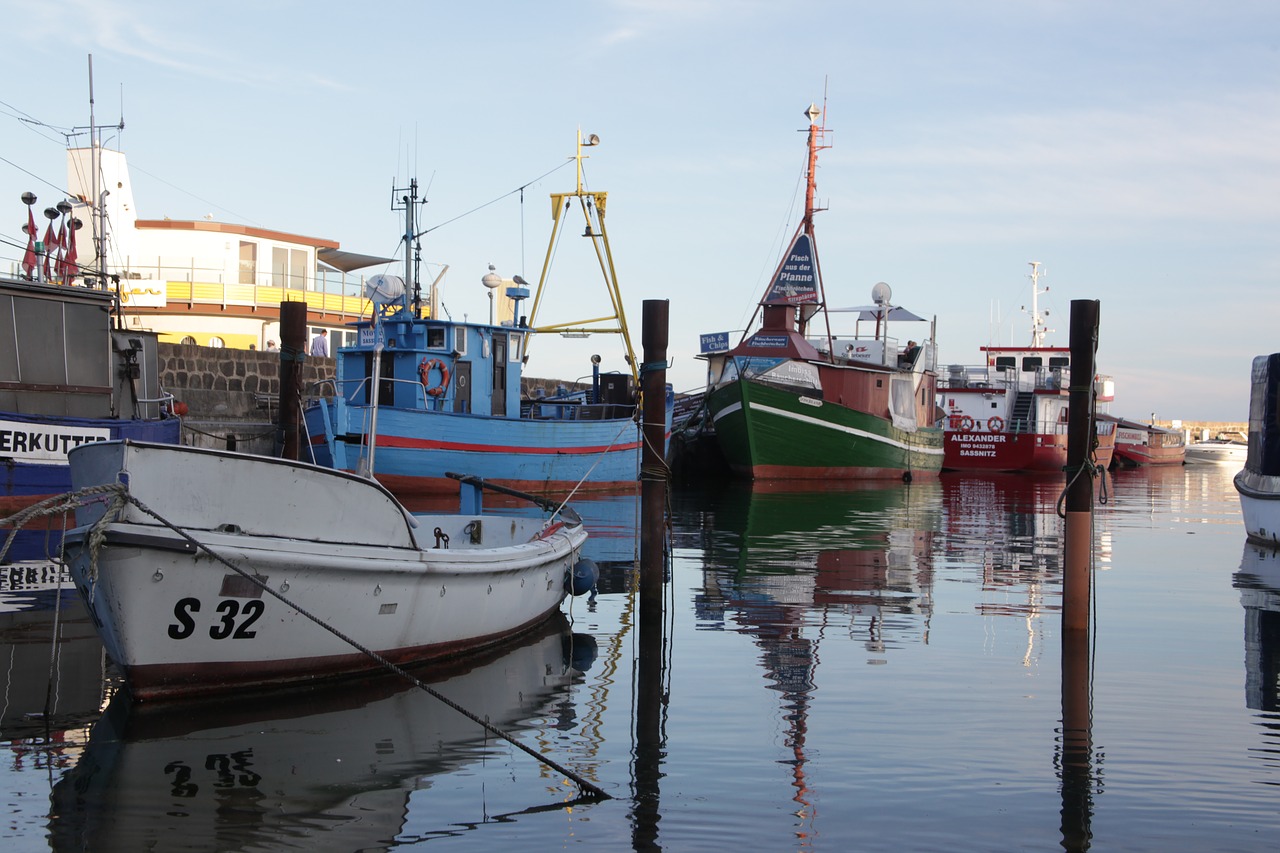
{"x": 48, "y": 249}
{"x": 61, "y": 268}
{"x": 29, "y": 259}
{"x": 72, "y": 270}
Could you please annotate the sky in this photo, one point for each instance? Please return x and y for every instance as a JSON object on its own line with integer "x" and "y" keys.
{"x": 1132, "y": 147}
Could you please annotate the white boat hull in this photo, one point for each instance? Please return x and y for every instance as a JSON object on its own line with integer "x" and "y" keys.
{"x": 1217, "y": 453}
{"x": 180, "y": 621}
{"x": 1260, "y": 506}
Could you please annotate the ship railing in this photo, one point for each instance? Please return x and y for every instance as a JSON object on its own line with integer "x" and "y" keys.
{"x": 1016, "y": 425}
{"x": 164, "y": 403}
{"x": 356, "y": 391}
{"x": 1005, "y": 378}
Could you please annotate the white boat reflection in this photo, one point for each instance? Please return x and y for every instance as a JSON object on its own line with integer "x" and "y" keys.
{"x": 333, "y": 766}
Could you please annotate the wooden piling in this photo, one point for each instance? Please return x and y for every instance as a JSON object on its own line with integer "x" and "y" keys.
{"x": 293, "y": 350}
{"x": 1078, "y": 544}
{"x": 653, "y": 503}
{"x": 653, "y": 466}
{"x": 1076, "y": 757}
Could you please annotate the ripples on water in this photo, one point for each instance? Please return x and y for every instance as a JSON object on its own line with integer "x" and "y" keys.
{"x": 861, "y": 668}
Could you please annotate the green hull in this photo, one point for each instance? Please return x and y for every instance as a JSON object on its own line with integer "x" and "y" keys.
{"x": 770, "y": 433}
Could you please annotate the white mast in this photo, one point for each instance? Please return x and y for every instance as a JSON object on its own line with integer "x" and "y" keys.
{"x": 1038, "y": 329}
{"x": 99, "y": 225}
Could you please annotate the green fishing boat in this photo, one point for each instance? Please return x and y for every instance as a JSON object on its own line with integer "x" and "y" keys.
{"x": 794, "y": 401}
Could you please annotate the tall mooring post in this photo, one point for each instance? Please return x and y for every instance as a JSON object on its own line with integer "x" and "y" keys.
{"x": 653, "y": 507}
{"x": 1081, "y": 435}
{"x": 293, "y": 352}
{"x": 1076, "y": 760}
{"x": 653, "y": 464}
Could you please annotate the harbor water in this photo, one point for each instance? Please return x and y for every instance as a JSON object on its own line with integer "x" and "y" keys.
{"x": 870, "y": 668}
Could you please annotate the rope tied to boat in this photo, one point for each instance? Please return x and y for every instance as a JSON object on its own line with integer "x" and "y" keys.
{"x": 59, "y": 505}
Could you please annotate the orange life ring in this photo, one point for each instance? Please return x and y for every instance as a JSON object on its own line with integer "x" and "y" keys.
{"x": 966, "y": 423}
{"x": 995, "y": 423}
{"x": 424, "y": 375}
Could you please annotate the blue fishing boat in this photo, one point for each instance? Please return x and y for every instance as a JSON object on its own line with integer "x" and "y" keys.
{"x": 420, "y": 394}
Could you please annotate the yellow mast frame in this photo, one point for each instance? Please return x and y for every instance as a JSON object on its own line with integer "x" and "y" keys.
{"x": 593, "y": 206}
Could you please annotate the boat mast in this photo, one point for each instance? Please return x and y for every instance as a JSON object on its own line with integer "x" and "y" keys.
{"x": 593, "y": 209}
{"x": 805, "y": 311}
{"x": 817, "y": 141}
{"x": 1038, "y": 329}
{"x": 97, "y": 205}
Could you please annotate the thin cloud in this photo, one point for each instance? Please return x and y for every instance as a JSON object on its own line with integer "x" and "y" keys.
{"x": 158, "y": 34}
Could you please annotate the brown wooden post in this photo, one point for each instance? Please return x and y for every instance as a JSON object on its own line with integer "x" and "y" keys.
{"x": 653, "y": 505}
{"x": 1077, "y": 581}
{"x": 1081, "y": 434}
{"x": 293, "y": 353}
{"x": 653, "y": 465}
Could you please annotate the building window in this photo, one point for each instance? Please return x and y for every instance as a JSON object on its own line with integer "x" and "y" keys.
{"x": 298, "y": 269}
{"x": 248, "y": 263}
{"x": 288, "y": 268}
{"x": 188, "y": 341}
{"x": 217, "y": 342}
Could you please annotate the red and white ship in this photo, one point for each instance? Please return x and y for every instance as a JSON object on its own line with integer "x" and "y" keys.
{"x": 1139, "y": 445}
{"x": 1010, "y": 413}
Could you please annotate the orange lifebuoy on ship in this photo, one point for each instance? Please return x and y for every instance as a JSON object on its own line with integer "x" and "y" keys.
{"x": 966, "y": 423}
{"x": 995, "y": 423}
{"x": 424, "y": 374}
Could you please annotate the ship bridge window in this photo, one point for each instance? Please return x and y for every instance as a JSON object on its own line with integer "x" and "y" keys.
{"x": 1005, "y": 362}
{"x": 460, "y": 341}
{"x": 1032, "y": 363}
{"x": 1060, "y": 361}
{"x": 435, "y": 337}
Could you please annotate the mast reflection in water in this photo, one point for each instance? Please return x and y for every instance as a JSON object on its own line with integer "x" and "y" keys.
{"x": 876, "y": 668}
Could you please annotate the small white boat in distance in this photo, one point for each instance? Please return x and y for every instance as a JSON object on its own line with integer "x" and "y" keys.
{"x": 213, "y": 597}
{"x": 1223, "y": 449}
{"x": 1259, "y": 481}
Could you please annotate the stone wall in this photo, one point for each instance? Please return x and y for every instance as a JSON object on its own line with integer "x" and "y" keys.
{"x": 232, "y": 395}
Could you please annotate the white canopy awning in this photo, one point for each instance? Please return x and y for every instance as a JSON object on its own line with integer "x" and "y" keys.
{"x": 871, "y": 312}
{"x": 348, "y": 261}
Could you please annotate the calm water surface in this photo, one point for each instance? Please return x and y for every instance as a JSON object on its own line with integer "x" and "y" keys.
{"x": 873, "y": 669}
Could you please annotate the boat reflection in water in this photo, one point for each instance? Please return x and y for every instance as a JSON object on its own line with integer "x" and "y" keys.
{"x": 786, "y": 555}
{"x": 52, "y": 689}
{"x": 1008, "y": 526}
{"x": 334, "y": 766}
{"x": 1259, "y": 583}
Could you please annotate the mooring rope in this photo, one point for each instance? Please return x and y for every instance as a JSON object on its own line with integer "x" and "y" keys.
{"x": 119, "y": 496}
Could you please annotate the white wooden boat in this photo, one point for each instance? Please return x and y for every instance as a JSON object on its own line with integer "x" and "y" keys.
{"x": 215, "y": 600}
{"x": 1259, "y": 481}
